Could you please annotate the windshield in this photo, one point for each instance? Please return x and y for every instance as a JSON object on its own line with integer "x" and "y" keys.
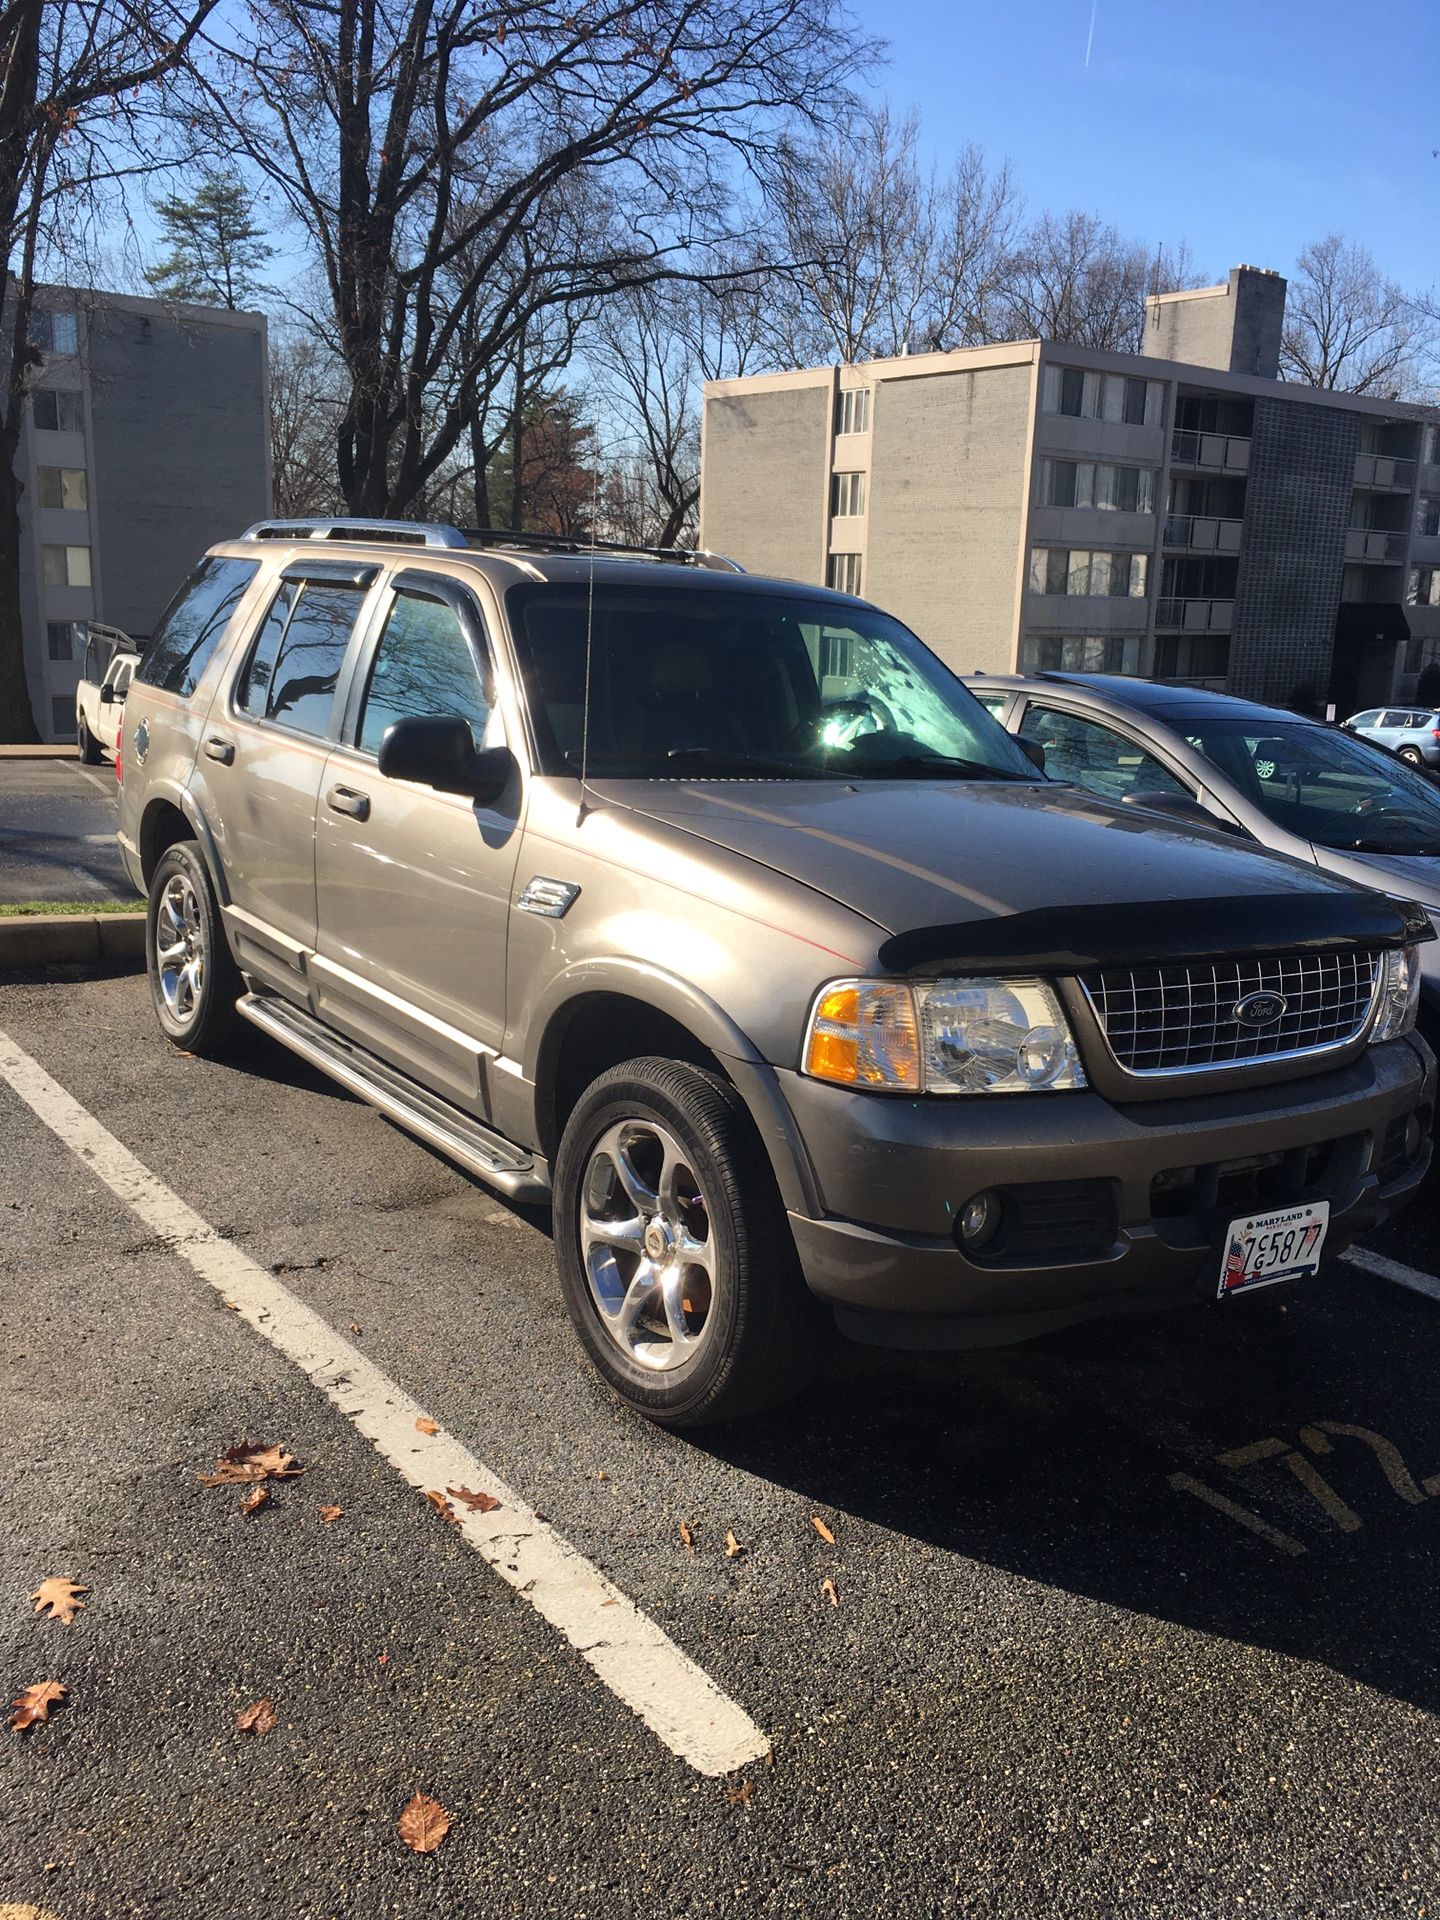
{"x": 743, "y": 684}
{"x": 1326, "y": 786}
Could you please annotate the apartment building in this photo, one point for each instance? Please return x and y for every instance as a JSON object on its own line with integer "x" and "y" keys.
{"x": 1179, "y": 513}
{"x": 146, "y": 439}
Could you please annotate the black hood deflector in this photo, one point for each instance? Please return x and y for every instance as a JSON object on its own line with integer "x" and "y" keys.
{"x": 1075, "y": 938}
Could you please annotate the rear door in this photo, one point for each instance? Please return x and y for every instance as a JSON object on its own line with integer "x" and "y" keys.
{"x": 1096, "y": 755}
{"x": 262, "y": 759}
{"x": 414, "y": 886}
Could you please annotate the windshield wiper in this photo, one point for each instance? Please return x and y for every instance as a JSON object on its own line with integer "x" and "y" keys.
{"x": 738, "y": 760}
{"x": 1424, "y": 851}
{"x": 952, "y": 765}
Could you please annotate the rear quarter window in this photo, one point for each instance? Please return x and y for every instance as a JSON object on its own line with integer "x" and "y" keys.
{"x": 194, "y": 624}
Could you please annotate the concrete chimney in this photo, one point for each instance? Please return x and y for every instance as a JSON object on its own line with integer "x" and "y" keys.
{"x": 1235, "y": 327}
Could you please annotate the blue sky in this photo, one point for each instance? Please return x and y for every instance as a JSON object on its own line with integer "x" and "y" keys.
{"x": 1247, "y": 129}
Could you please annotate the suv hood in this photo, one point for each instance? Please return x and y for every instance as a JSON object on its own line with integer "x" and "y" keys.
{"x": 1017, "y": 874}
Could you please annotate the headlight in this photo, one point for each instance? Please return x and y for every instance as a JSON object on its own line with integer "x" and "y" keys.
{"x": 942, "y": 1036}
{"x": 1399, "y": 993}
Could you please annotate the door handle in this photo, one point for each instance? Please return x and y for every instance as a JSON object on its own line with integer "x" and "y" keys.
{"x": 347, "y": 800}
{"x": 221, "y": 749}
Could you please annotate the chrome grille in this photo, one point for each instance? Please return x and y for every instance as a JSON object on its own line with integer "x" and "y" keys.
{"x": 1181, "y": 1018}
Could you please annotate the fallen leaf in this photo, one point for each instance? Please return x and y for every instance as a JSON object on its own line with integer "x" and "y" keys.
{"x": 327, "y": 1514}
{"x": 733, "y": 1547}
{"x": 824, "y": 1532}
{"x": 259, "y": 1718}
{"x": 59, "y": 1593}
{"x": 443, "y": 1507}
{"x": 424, "y": 1425}
{"x": 33, "y": 1704}
{"x": 740, "y": 1796}
{"x": 255, "y": 1499}
{"x": 476, "y": 1502}
{"x": 423, "y": 1823}
{"x": 687, "y": 1537}
{"x": 827, "y": 1587}
{"x": 384, "y": 1660}
{"x": 243, "y": 1463}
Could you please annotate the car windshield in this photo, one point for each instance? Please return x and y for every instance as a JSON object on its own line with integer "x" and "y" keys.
{"x": 716, "y": 683}
{"x": 1325, "y": 785}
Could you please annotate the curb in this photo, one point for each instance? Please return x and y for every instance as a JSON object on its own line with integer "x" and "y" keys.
{"x": 66, "y": 751}
{"x": 72, "y": 939}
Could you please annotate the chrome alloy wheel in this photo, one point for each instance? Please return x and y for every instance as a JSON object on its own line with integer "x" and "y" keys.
{"x": 648, "y": 1245}
{"x": 180, "y": 948}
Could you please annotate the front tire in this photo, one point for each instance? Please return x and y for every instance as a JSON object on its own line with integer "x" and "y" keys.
{"x": 194, "y": 981}
{"x": 1413, "y": 755}
{"x": 678, "y": 1268}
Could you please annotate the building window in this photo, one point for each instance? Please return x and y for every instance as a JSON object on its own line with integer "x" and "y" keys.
{"x": 1092, "y": 483}
{"x": 1192, "y": 656}
{"x": 1430, "y": 446}
{"x": 60, "y": 639}
{"x": 1076, "y": 571}
{"x": 844, "y": 574}
{"x": 62, "y": 715}
{"x": 854, "y": 411}
{"x": 1424, "y": 587}
{"x": 1427, "y": 514}
{"x": 1119, "y": 397}
{"x": 847, "y": 495}
{"x": 66, "y": 566}
{"x": 58, "y": 410}
{"x": 63, "y": 487}
{"x": 54, "y": 331}
{"x": 1080, "y": 653}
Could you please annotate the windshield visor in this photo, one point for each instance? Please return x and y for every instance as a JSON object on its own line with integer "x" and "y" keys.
{"x": 731, "y": 684}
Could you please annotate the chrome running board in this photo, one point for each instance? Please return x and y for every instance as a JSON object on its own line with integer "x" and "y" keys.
{"x": 477, "y": 1148}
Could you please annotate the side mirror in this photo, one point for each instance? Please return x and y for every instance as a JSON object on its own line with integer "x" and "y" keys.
{"x": 1183, "y": 807}
{"x": 439, "y": 751}
{"x": 1033, "y": 750}
{"x": 107, "y": 696}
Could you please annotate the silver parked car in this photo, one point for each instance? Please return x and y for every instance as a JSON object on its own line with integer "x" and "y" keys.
{"x": 713, "y": 911}
{"x": 1412, "y": 732}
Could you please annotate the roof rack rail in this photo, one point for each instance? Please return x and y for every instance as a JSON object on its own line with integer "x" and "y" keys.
{"x": 611, "y": 549}
{"x": 405, "y": 533}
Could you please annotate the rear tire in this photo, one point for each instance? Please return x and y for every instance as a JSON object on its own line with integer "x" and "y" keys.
{"x": 676, "y": 1259}
{"x": 1413, "y": 756}
{"x": 87, "y": 743}
{"x": 194, "y": 981}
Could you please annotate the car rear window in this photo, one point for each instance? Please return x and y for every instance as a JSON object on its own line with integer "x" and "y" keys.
{"x": 193, "y": 624}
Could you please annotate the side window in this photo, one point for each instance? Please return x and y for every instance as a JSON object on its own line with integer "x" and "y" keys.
{"x": 993, "y": 703}
{"x": 193, "y": 625}
{"x": 297, "y": 658}
{"x": 423, "y": 666}
{"x": 1095, "y": 756}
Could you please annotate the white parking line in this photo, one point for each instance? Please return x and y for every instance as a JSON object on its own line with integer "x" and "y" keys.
{"x": 1394, "y": 1271}
{"x": 640, "y": 1665}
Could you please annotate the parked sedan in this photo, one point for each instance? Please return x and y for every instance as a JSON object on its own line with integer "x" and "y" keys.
{"x": 1412, "y": 732}
{"x": 1317, "y": 793}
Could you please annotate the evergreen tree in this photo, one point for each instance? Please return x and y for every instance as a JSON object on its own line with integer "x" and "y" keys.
{"x": 216, "y": 248}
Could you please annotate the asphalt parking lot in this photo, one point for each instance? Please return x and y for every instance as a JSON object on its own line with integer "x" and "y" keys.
{"x": 1136, "y": 1620}
{"x": 57, "y": 832}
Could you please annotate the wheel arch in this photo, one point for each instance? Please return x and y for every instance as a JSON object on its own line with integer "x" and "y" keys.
{"x": 172, "y": 815}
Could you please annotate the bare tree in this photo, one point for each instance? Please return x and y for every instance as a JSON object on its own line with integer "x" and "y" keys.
{"x": 1075, "y": 279}
{"x": 406, "y": 139}
{"x": 307, "y": 397}
{"x": 84, "y": 106}
{"x": 1350, "y": 329}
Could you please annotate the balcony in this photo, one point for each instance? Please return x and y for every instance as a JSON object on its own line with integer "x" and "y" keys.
{"x": 1202, "y": 533}
{"x": 1375, "y": 544}
{"x": 1194, "y": 616}
{"x": 1212, "y": 452}
{"x": 1384, "y": 473}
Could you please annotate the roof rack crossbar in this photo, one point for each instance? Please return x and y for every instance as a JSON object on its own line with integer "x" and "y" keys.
{"x": 612, "y": 549}
{"x": 408, "y": 533}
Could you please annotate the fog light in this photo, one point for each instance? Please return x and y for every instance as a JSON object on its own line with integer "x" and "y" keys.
{"x": 980, "y": 1219}
{"x": 1414, "y": 1137}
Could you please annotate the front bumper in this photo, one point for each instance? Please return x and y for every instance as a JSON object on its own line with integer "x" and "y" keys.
{"x": 1162, "y": 1177}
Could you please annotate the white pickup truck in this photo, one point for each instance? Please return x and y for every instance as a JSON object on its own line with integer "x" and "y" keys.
{"x": 110, "y": 659}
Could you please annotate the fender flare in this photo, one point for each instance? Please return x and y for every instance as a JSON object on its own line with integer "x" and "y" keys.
{"x": 183, "y": 801}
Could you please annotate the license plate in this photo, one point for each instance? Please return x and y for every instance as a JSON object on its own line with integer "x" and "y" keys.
{"x": 1269, "y": 1247}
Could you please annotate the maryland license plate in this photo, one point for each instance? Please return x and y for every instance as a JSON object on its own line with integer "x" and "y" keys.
{"x": 1268, "y": 1247}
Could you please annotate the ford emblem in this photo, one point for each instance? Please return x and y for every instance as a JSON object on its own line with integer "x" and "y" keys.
{"x": 1260, "y": 1009}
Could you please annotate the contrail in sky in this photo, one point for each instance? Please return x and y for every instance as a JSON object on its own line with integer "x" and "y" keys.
{"x": 1090, "y": 37}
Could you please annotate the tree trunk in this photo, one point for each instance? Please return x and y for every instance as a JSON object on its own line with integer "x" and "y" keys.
{"x": 17, "y": 717}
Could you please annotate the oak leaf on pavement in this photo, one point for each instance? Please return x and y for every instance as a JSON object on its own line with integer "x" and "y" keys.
{"x": 442, "y": 1506}
{"x": 423, "y": 1823}
{"x": 259, "y": 1717}
{"x": 476, "y": 1502}
{"x": 824, "y": 1532}
{"x": 33, "y": 1704}
{"x": 242, "y": 1463}
{"x": 426, "y": 1425}
{"x": 327, "y": 1514}
{"x": 61, "y": 1595}
{"x": 687, "y": 1538}
{"x": 255, "y": 1498}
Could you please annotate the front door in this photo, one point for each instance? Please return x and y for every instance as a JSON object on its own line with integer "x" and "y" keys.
{"x": 413, "y": 886}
